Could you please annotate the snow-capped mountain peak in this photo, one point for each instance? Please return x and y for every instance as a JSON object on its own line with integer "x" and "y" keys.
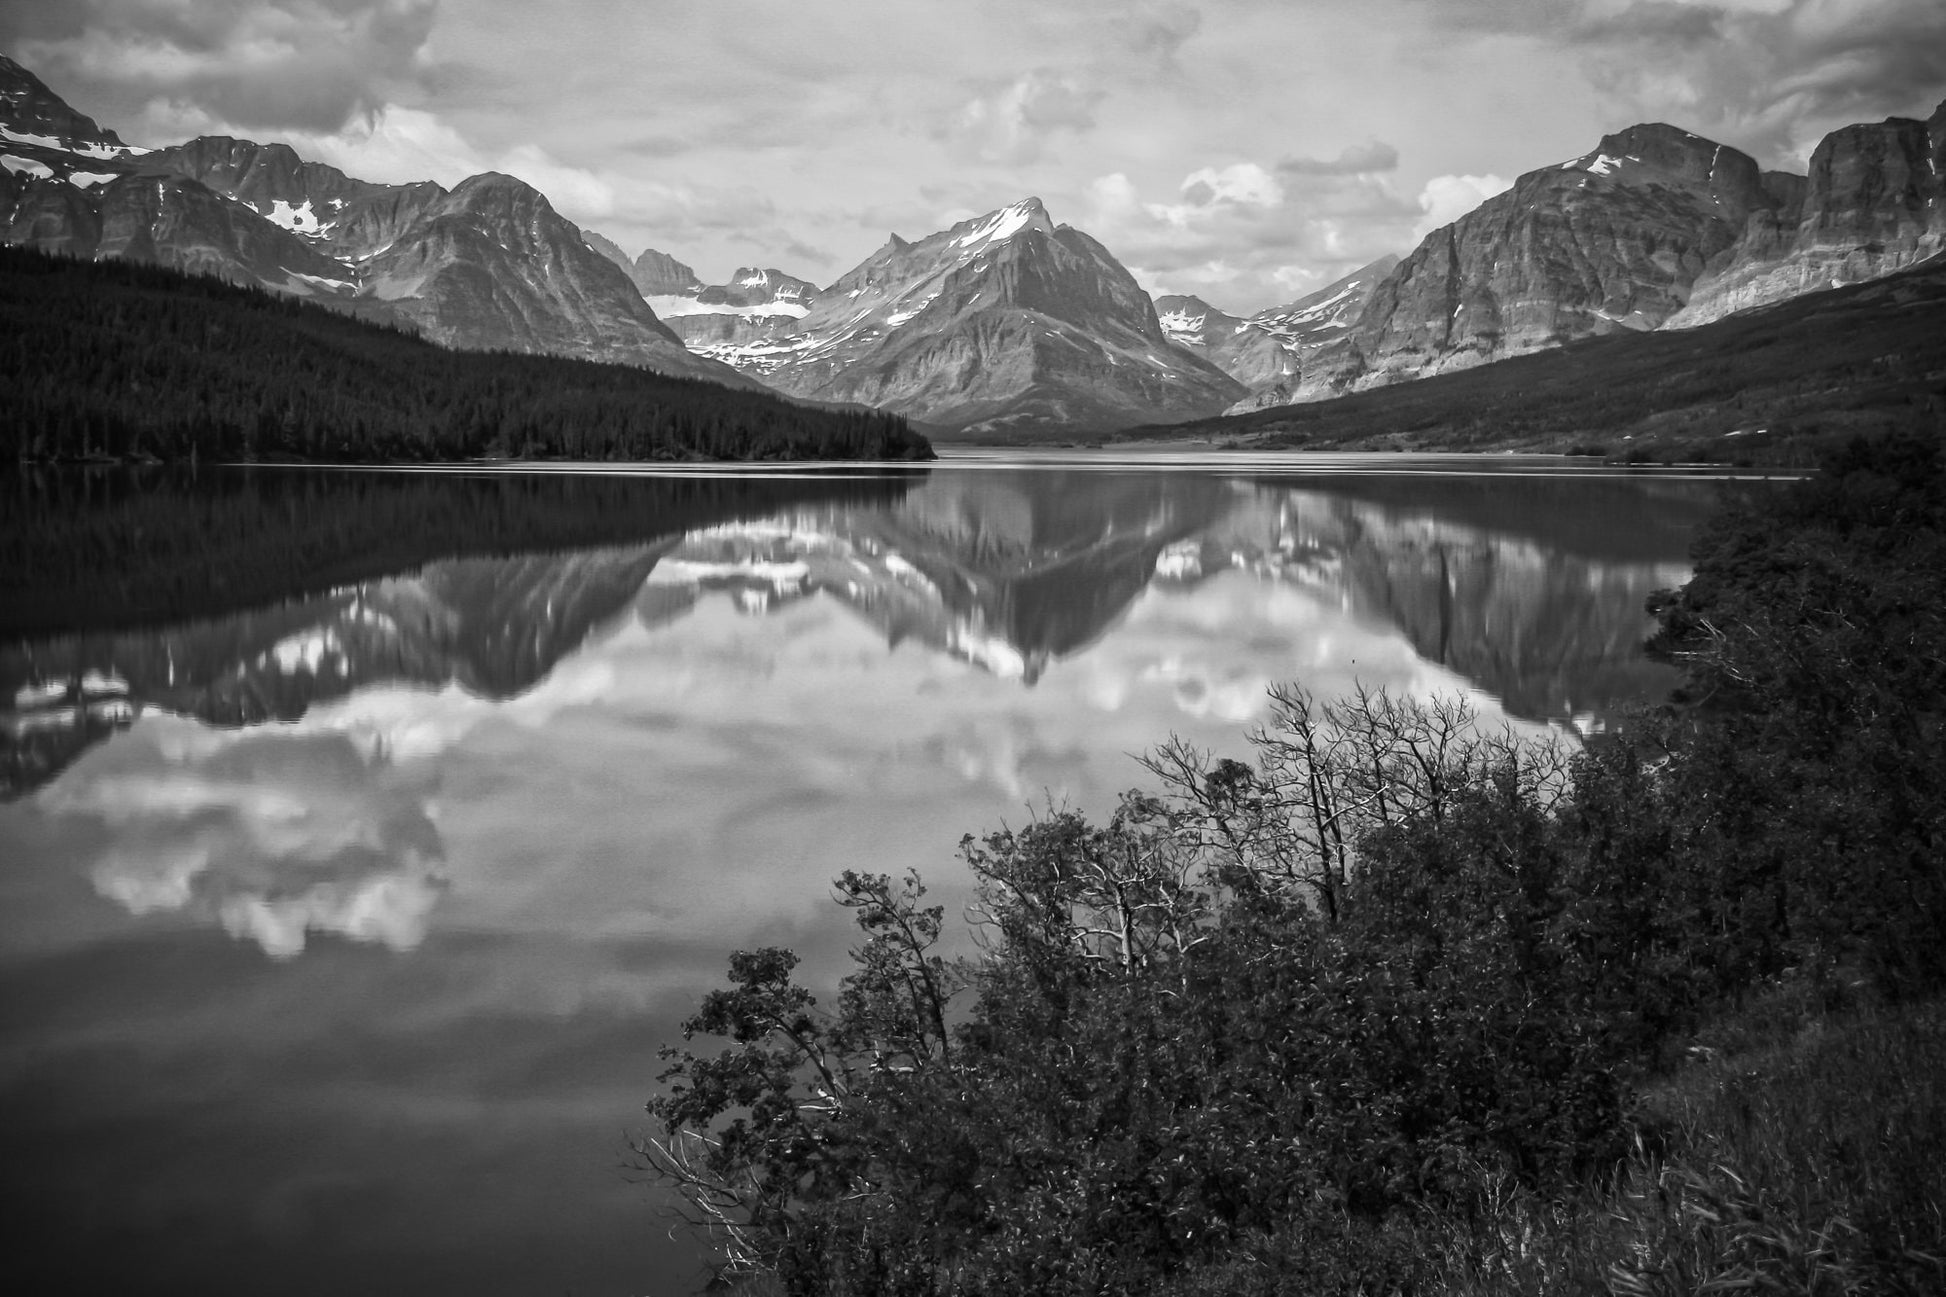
{"x": 1004, "y": 320}
{"x": 997, "y": 226}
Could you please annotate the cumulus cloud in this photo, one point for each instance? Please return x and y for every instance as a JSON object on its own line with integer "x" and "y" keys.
{"x": 394, "y": 145}
{"x": 1011, "y": 122}
{"x": 1243, "y": 184}
{"x": 398, "y": 145}
{"x": 1447, "y": 198}
{"x": 260, "y": 64}
{"x": 1771, "y": 77}
{"x": 1245, "y": 236}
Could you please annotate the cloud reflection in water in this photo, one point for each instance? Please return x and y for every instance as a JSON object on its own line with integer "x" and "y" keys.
{"x": 272, "y": 835}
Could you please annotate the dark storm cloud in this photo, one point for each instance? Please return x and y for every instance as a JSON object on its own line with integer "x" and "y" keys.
{"x": 264, "y": 64}
{"x": 1159, "y": 30}
{"x": 1771, "y": 83}
{"x": 799, "y": 251}
{"x": 1652, "y": 20}
{"x": 1770, "y": 79}
{"x": 1531, "y": 17}
{"x": 1368, "y": 158}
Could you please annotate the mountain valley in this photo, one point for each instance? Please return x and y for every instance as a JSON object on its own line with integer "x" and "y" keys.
{"x": 1005, "y": 326}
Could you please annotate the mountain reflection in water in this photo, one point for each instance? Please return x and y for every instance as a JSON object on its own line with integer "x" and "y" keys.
{"x": 399, "y": 879}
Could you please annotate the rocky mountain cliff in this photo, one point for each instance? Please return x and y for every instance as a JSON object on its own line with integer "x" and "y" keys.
{"x": 652, "y": 273}
{"x": 1005, "y": 325}
{"x": 488, "y": 265}
{"x": 657, "y": 272}
{"x": 1608, "y": 241}
{"x": 1310, "y": 324}
{"x": 491, "y": 264}
{"x": 1874, "y": 202}
{"x": 1240, "y": 348}
{"x": 1654, "y": 228}
{"x": 34, "y": 114}
{"x": 718, "y": 319}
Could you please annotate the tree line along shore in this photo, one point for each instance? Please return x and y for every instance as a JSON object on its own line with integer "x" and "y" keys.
{"x": 115, "y": 360}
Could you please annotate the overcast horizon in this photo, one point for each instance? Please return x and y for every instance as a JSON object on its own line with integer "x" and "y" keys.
{"x": 1247, "y": 151}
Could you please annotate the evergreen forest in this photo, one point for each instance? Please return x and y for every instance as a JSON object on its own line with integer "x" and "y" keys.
{"x": 1392, "y": 1003}
{"x": 115, "y": 360}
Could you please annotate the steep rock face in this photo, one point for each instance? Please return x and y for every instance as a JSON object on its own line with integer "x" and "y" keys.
{"x": 733, "y": 337}
{"x": 369, "y": 225}
{"x": 171, "y": 222}
{"x": 491, "y": 264}
{"x": 1874, "y": 202}
{"x": 34, "y": 113}
{"x": 1238, "y": 347}
{"x": 653, "y": 273}
{"x": 1327, "y": 314}
{"x": 1310, "y": 324}
{"x": 1608, "y": 241}
{"x": 306, "y": 198}
{"x": 1005, "y": 324}
{"x": 720, "y": 320}
{"x": 607, "y": 247}
{"x": 751, "y": 286}
{"x": 52, "y": 215}
{"x": 658, "y": 272}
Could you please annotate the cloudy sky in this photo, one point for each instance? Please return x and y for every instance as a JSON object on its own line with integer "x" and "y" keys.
{"x": 1245, "y": 150}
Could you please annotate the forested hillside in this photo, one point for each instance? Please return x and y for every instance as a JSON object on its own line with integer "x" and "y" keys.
{"x": 123, "y": 361}
{"x": 1395, "y": 1006}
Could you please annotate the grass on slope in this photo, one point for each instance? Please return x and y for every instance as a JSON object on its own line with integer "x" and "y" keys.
{"x": 1767, "y": 386}
{"x": 1799, "y": 1148}
{"x": 1802, "y": 1150}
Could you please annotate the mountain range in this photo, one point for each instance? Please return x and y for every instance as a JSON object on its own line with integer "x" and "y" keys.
{"x": 488, "y": 264}
{"x": 1654, "y": 228}
{"x": 1007, "y": 325}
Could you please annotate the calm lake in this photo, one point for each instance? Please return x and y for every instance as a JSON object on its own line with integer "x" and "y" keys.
{"x": 366, "y": 833}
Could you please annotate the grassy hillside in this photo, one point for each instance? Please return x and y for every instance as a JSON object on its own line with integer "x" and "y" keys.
{"x": 1764, "y": 387}
{"x": 113, "y": 360}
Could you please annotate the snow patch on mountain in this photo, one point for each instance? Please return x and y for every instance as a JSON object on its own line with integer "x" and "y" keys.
{"x": 1182, "y": 326}
{"x": 298, "y": 220}
{"x": 669, "y": 305}
{"x": 39, "y": 141}
{"x": 1005, "y": 223}
{"x": 1600, "y": 164}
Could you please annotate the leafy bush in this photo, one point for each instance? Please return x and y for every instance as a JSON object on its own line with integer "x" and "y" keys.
{"x": 1368, "y": 1012}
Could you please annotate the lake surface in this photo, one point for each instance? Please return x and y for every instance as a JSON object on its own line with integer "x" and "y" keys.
{"x": 365, "y": 834}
